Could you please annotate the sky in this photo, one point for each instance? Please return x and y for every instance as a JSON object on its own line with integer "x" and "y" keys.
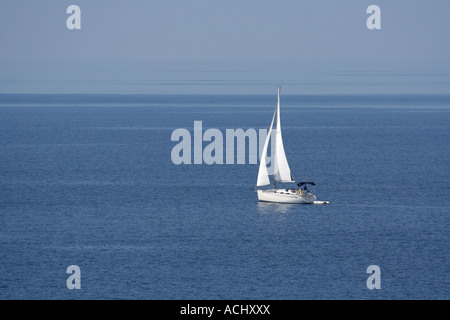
{"x": 224, "y": 46}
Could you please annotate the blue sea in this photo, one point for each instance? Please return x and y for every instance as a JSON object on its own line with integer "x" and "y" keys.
{"x": 88, "y": 180}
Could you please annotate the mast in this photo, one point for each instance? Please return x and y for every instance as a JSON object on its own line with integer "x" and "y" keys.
{"x": 275, "y": 166}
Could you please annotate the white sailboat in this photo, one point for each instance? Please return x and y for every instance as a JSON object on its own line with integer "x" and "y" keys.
{"x": 282, "y": 172}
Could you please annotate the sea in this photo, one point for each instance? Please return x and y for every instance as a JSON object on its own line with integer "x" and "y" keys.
{"x": 88, "y": 180}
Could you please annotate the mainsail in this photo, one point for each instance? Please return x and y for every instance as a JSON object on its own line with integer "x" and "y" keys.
{"x": 281, "y": 170}
{"x": 282, "y": 173}
{"x": 263, "y": 175}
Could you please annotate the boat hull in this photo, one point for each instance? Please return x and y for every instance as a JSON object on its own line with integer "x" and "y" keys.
{"x": 282, "y": 196}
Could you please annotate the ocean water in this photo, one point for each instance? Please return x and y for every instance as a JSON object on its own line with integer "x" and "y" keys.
{"x": 88, "y": 180}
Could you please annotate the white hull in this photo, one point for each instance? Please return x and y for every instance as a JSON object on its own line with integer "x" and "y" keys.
{"x": 283, "y": 196}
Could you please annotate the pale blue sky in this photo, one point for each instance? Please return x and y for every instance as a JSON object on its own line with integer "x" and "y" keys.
{"x": 165, "y": 46}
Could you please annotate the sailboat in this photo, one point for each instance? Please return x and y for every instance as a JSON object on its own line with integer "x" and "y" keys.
{"x": 281, "y": 172}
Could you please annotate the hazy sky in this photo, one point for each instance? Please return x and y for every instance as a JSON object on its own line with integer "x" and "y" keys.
{"x": 122, "y": 43}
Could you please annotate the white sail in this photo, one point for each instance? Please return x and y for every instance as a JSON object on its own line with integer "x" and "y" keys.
{"x": 263, "y": 175}
{"x": 282, "y": 173}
